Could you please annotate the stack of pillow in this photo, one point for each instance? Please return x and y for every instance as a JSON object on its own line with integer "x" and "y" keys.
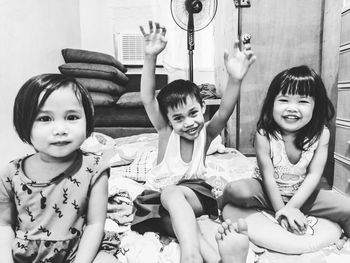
{"x": 100, "y": 73}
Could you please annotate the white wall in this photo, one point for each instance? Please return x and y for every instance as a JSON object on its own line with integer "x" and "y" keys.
{"x": 100, "y": 19}
{"x": 32, "y": 34}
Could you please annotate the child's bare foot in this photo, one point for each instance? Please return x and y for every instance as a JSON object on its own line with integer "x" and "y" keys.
{"x": 233, "y": 241}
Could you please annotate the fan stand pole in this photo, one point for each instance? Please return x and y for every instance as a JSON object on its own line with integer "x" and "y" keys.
{"x": 190, "y": 44}
{"x": 190, "y": 62}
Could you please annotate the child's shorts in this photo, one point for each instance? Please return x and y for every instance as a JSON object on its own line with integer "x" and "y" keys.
{"x": 148, "y": 206}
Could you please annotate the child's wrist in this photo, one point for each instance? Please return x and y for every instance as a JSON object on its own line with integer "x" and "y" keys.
{"x": 234, "y": 79}
{"x": 150, "y": 56}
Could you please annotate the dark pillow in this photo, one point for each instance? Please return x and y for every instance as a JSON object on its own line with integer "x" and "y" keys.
{"x": 103, "y": 99}
{"x": 130, "y": 100}
{"x": 71, "y": 55}
{"x": 102, "y": 85}
{"x": 85, "y": 70}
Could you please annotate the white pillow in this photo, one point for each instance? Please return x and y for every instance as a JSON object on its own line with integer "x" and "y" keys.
{"x": 265, "y": 233}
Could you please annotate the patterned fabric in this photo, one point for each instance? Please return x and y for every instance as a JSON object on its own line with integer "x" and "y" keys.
{"x": 50, "y": 215}
{"x": 289, "y": 176}
{"x": 173, "y": 169}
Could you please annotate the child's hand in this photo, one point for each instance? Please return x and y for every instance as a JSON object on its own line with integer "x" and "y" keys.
{"x": 155, "y": 41}
{"x": 292, "y": 219}
{"x": 238, "y": 64}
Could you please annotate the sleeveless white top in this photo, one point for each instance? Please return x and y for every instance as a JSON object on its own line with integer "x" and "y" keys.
{"x": 173, "y": 169}
{"x": 289, "y": 176}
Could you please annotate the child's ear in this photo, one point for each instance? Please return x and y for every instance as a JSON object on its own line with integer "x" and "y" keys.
{"x": 204, "y": 107}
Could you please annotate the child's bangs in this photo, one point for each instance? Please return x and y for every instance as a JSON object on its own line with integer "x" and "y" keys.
{"x": 177, "y": 100}
{"x": 303, "y": 86}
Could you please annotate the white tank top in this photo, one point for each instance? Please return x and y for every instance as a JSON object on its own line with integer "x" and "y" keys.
{"x": 289, "y": 176}
{"x": 172, "y": 168}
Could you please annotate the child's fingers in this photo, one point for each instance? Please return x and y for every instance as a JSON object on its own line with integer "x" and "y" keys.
{"x": 150, "y": 24}
{"x": 247, "y": 46}
{"x": 143, "y": 31}
{"x": 248, "y": 53}
{"x": 163, "y": 31}
{"x": 157, "y": 27}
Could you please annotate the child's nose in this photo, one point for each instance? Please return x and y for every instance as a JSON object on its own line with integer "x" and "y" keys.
{"x": 292, "y": 107}
{"x": 59, "y": 128}
{"x": 188, "y": 122}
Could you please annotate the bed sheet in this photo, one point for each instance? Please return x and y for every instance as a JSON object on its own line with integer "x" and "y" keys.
{"x": 131, "y": 157}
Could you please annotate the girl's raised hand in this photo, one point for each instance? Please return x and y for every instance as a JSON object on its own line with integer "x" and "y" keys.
{"x": 238, "y": 64}
{"x": 155, "y": 40}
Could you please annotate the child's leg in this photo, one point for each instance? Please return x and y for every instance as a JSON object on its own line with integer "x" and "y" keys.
{"x": 183, "y": 207}
{"x": 233, "y": 242}
{"x": 244, "y": 193}
{"x": 208, "y": 252}
{"x": 331, "y": 205}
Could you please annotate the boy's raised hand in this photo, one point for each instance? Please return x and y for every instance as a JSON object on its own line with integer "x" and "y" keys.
{"x": 238, "y": 64}
{"x": 155, "y": 40}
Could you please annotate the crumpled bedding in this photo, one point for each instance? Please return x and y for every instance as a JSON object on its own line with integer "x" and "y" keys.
{"x": 131, "y": 157}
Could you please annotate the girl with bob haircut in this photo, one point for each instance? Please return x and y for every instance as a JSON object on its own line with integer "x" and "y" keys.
{"x": 292, "y": 147}
{"x": 53, "y": 202}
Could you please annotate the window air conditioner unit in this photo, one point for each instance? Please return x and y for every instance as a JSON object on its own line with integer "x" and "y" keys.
{"x": 129, "y": 49}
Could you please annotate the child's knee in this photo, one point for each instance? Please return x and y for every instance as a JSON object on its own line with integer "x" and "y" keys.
{"x": 169, "y": 192}
{"x": 237, "y": 191}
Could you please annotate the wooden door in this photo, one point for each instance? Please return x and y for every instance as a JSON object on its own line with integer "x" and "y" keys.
{"x": 284, "y": 34}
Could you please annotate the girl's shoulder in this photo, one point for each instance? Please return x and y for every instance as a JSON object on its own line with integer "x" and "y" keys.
{"x": 7, "y": 173}
{"x": 325, "y": 135}
{"x": 96, "y": 162}
{"x": 11, "y": 167}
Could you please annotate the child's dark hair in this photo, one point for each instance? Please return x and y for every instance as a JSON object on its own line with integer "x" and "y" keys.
{"x": 300, "y": 80}
{"x": 176, "y": 93}
{"x": 27, "y": 104}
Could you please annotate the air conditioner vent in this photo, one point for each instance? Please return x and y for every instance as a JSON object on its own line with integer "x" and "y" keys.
{"x": 129, "y": 49}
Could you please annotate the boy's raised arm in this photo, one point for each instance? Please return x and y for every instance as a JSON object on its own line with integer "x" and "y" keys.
{"x": 155, "y": 43}
{"x": 237, "y": 66}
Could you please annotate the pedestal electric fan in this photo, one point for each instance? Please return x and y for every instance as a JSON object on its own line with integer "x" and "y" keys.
{"x": 192, "y": 15}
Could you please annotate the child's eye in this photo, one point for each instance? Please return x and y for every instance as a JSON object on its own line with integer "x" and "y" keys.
{"x": 44, "y": 118}
{"x": 193, "y": 113}
{"x": 73, "y": 117}
{"x": 282, "y": 100}
{"x": 304, "y": 101}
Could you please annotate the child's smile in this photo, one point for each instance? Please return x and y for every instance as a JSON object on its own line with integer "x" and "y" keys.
{"x": 292, "y": 112}
{"x": 187, "y": 119}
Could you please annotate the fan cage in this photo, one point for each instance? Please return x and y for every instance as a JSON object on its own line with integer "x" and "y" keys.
{"x": 201, "y": 20}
